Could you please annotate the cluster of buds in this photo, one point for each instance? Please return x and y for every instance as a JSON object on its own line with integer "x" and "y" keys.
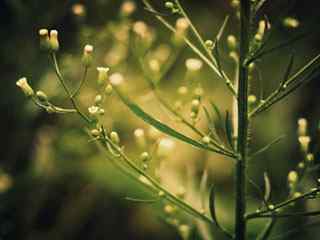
{"x": 232, "y": 44}
{"x": 49, "y": 42}
{"x": 261, "y": 31}
{"x": 293, "y": 178}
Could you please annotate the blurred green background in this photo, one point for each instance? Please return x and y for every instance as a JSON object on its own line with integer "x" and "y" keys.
{"x": 56, "y": 185}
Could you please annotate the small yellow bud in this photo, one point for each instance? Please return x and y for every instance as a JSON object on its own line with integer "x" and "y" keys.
{"x": 144, "y": 157}
{"x": 87, "y": 55}
{"x": 78, "y": 10}
{"x": 271, "y": 207}
{"x": 302, "y": 127}
{"x": 293, "y": 177}
{"x": 54, "y": 41}
{"x": 139, "y": 136}
{"x": 168, "y": 209}
{"x": 206, "y": 140}
{"x": 108, "y": 90}
{"x": 114, "y": 137}
{"x": 98, "y": 99}
{"x": 209, "y": 44}
{"x": 198, "y": 92}
{"x": 102, "y": 75}
{"x": 252, "y": 99}
{"x": 42, "y": 96}
{"x": 23, "y": 84}
{"x": 310, "y": 157}
{"x": 169, "y": 5}
{"x": 304, "y": 143}
{"x": 291, "y": 22}
{"x": 184, "y": 231}
{"x": 297, "y": 194}
{"x": 195, "y": 105}
{"x": 183, "y": 90}
{"x": 116, "y": 79}
{"x": 182, "y": 24}
{"x": 232, "y": 42}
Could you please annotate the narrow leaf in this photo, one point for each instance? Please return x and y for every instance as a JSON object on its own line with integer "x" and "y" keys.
{"x": 212, "y": 204}
{"x": 161, "y": 126}
{"x": 288, "y": 71}
{"x": 228, "y": 126}
{"x": 137, "y": 200}
{"x": 267, "y": 187}
{"x": 265, "y": 148}
{"x": 217, "y": 112}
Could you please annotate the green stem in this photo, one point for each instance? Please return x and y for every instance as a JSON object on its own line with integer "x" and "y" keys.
{"x": 67, "y": 90}
{"x": 240, "y": 172}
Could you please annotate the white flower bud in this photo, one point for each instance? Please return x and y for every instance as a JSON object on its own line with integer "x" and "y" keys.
{"x": 193, "y": 64}
{"x": 87, "y": 55}
{"x": 54, "y": 41}
{"x": 293, "y": 177}
{"x": 114, "y": 137}
{"x": 102, "y": 75}
{"x": 304, "y": 143}
{"x": 23, "y": 84}
{"x": 42, "y": 96}
{"x": 165, "y": 147}
{"x": 44, "y": 39}
{"x": 116, "y": 79}
{"x": 140, "y": 137}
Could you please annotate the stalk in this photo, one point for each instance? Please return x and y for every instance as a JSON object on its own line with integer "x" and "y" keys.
{"x": 240, "y": 171}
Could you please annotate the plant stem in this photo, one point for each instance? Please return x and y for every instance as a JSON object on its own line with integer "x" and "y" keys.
{"x": 240, "y": 178}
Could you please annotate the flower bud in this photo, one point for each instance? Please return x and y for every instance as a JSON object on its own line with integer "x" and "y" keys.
{"x": 232, "y": 42}
{"x": 108, "y": 89}
{"x": 87, "y": 56}
{"x": 293, "y": 177}
{"x": 206, "y": 140}
{"x": 209, "y": 44}
{"x": 169, "y": 5}
{"x": 304, "y": 143}
{"x": 140, "y": 137}
{"x": 168, "y": 209}
{"x": 184, "y": 231}
{"x": 95, "y": 132}
{"x": 114, "y": 137}
{"x": 23, "y": 84}
{"x": 144, "y": 157}
{"x": 102, "y": 75}
{"x": 54, "y": 41}
{"x": 93, "y": 110}
{"x": 195, "y": 105}
{"x": 44, "y": 39}
{"x": 165, "y": 147}
{"x": 193, "y": 64}
{"x": 302, "y": 127}
{"x": 291, "y": 22}
{"x": 42, "y": 96}
{"x": 98, "y": 99}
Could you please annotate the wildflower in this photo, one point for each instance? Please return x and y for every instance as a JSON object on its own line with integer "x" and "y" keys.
{"x": 193, "y": 64}
{"x": 87, "y": 55}
{"x": 54, "y": 41}
{"x": 102, "y": 75}
{"x": 23, "y": 84}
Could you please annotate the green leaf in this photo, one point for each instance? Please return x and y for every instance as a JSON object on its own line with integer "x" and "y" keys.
{"x": 217, "y": 112}
{"x": 212, "y": 204}
{"x": 267, "y": 187}
{"x": 228, "y": 126}
{"x": 288, "y": 71}
{"x": 161, "y": 126}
